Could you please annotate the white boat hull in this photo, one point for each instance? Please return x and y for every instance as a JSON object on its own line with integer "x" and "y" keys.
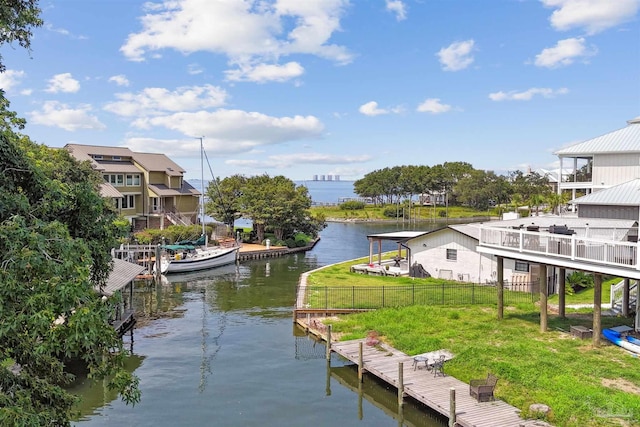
{"x": 201, "y": 259}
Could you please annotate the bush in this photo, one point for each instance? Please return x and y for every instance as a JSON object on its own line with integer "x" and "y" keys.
{"x": 392, "y": 212}
{"x": 352, "y": 205}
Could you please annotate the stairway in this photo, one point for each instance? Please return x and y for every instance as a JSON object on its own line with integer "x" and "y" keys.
{"x": 616, "y": 297}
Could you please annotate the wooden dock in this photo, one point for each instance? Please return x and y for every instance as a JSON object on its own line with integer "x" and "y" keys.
{"x": 384, "y": 361}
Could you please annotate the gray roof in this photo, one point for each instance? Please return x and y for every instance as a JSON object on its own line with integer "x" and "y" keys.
{"x": 625, "y": 140}
{"x": 108, "y": 190}
{"x": 158, "y": 163}
{"x": 544, "y": 221}
{"x": 625, "y": 194}
{"x": 122, "y": 274}
{"x": 162, "y": 190}
{"x": 397, "y": 236}
{"x": 84, "y": 152}
{"x": 117, "y": 166}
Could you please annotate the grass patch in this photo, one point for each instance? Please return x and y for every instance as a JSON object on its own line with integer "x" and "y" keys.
{"x": 376, "y": 213}
{"x": 584, "y": 386}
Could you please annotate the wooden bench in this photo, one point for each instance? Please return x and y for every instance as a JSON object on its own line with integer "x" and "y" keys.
{"x": 482, "y": 390}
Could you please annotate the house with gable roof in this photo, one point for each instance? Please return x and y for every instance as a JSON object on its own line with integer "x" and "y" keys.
{"x": 147, "y": 188}
{"x": 601, "y": 162}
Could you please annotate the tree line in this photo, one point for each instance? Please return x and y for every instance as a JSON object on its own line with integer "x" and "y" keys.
{"x": 458, "y": 183}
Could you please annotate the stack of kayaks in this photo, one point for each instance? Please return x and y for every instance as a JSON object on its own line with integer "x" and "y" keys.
{"x": 623, "y": 340}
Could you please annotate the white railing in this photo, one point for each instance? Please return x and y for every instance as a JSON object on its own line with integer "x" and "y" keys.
{"x": 617, "y": 290}
{"x": 573, "y": 247}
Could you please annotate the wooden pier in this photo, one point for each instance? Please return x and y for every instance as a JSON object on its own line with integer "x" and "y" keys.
{"x": 397, "y": 369}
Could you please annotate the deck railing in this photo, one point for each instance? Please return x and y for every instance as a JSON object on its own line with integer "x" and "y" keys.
{"x": 574, "y": 247}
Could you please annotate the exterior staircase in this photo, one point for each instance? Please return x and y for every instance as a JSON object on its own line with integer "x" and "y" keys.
{"x": 616, "y": 297}
{"x": 177, "y": 219}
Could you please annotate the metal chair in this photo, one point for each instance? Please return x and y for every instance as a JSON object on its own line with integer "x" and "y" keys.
{"x": 438, "y": 366}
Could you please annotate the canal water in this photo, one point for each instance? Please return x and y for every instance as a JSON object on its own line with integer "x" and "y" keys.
{"x": 219, "y": 348}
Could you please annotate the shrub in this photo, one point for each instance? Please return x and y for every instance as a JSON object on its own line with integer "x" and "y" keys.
{"x": 392, "y": 212}
{"x": 352, "y": 205}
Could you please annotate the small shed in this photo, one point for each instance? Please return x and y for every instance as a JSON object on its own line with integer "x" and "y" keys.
{"x": 400, "y": 237}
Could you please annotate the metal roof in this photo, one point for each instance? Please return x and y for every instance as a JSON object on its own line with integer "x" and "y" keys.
{"x": 108, "y": 190}
{"x": 625, "y": 194}
{"x": 398, "y": 236}
{"x": 122, "y": 274}
{"x": 544, "y": 221}
{"x": 161, "y": 190}
{"x": 625, "y": 140}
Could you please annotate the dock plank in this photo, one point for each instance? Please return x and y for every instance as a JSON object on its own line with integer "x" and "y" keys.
{"x": 383, "y": 361}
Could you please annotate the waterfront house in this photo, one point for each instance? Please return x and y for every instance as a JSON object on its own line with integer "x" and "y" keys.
{"x": 148, "y": 189}
{"x": 601, "y": 162}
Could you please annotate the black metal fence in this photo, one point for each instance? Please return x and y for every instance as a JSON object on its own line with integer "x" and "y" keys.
{"x": 370, "y": 297}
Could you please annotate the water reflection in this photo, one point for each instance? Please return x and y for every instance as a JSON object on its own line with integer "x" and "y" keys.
{"x": 219, "y": 349}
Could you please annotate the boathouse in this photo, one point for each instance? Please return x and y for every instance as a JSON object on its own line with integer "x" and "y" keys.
{"x": 121, "y": 281}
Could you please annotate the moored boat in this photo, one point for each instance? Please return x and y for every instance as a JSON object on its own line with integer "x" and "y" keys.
{"x": 189, "y": 258}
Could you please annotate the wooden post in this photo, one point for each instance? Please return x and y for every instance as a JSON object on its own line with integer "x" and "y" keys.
{"x": 327, "y": 387}
{"x": 562, "y": 275}
{"x": 329, "y": 342}
{"x": 543, "y": 298}
{"x": 625, "y": 298}
{"x": 400, "y": 384}
{"x": 360, "y": 364}
{"x": 500, "y": 271}
{"x": 157, "y": 263}
{"x": 452, "y": 407}
{"x": 597, "y": 308}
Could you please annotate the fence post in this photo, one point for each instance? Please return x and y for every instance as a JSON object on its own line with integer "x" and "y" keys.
{"x": 442, "y": 293}
{"x": 353, "y": 297}
{"x": 413, "y": 294}
{"x": 326, "y": 297}
{"x": 383, "y": 296}
{"x": 473, "y": 293}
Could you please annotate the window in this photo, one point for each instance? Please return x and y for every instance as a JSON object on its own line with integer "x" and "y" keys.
{"x": 452, "y": 254}
{"x": 128, "y": 202}
{"x": 97, "y": 157}
{"x": 522, "y": 266}
{"x": 133, "y": 180}
{"x": 154, "y": 204}
{"x": 114, "y": 179}
{"x": 116, "y": 158}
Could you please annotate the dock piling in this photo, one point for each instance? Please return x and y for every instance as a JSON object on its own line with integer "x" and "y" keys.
{"x": 452, "y": 407}
{"x": 400, "y": 384}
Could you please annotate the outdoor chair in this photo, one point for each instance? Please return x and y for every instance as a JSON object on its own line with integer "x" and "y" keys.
{"x": 438, "y": 366}
{"x": 482, "y": 390}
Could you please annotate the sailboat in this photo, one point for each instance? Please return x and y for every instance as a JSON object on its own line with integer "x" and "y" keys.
{"x": 192, "y": 256}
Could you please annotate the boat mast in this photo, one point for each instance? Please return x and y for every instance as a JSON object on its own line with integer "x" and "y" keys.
{"x": 206, "y": 238}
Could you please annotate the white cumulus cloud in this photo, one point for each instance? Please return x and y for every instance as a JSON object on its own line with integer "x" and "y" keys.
{"x": 593, "y": 16}
{"x": 433, "y": 106}
{"x": 120, "y": 80}
{"x": 397, "y": 7}
{"x": 457, "y": 56}
{"x": 155, "y": 100}
{"x": 527, "y": 95}
{"x": 56, "y": 114}
{"x": 236, "y": 131}
{"x": 10, "y": 78}
{"x": 63, "y": 83}
{"x": 564, "y": 53}
{"x": 371, "y": 109}
{"x": 247, "y": 32}
{"x": 262, "y": 73}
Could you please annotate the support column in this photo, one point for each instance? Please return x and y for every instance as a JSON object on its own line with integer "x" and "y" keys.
{"x": 562, "y": 276}
{"x": 597, "y": 309}
{"x": 625, "y": 298}
{"x": 543, "y": 298}
{"x": 500, "y": 285}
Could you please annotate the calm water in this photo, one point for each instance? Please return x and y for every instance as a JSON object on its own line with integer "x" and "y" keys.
{"x": 222, "y": 350}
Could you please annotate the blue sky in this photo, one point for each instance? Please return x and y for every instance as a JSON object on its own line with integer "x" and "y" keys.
{"x": 310, "y": 87}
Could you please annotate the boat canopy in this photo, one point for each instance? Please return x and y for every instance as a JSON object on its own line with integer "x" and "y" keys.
{"x": 200, "y": 242}
{"x": 176, "y": 248}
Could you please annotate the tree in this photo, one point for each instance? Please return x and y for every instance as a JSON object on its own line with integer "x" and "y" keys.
{"x": 17, "y": 18}
{"x": 56, "y": 233}
{"x": 224, "y": 198}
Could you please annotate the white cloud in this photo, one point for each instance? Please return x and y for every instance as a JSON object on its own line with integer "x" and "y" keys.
{"x": 194, "y": 69}
{"x": 527, "y": 95}
{"x": 155, "y": 100}
{"x": 371, "y": 109}
{"x": 236, "y": 131}
{"x": 262, "y": 73}
{"x": 397, "y": 7}
{"x": 592, "y": 15}
{"x": 10, "y": 78}
{"x": 288, "y": 160}
{"x": 433, "y": 106}
{"x": 56, "y": 114}
{"x": 564, "y": 53}
{"x": 457, "y": 56}
{"x": 63, "y": 83}
{"x": 247, "y": 32}
{"x": 120, "y": 80}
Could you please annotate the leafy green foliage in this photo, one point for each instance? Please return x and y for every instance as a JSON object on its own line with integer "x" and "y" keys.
{"x": 56, "y": 233}
{"x": 352, "y": 205}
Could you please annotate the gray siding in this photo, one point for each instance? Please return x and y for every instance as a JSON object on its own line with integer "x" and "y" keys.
{"x": 609, "y": 212}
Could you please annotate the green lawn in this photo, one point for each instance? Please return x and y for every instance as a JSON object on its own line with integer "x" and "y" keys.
{"x": 584, "y": 386}
{"x": 375, "y": 213}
